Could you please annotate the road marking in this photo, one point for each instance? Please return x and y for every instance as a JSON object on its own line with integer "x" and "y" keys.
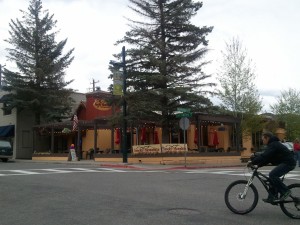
{"x": 294, "y": 175}
{"x": 58, "y": 171}
{"x": 19, "y": 172}
{"x": 113, "y": 170}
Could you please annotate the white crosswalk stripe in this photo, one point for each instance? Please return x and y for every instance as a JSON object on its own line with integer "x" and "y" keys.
{"x": 295, "y": 174}
{"x": 55, "y": 171}
{"x": 18, "y": 172}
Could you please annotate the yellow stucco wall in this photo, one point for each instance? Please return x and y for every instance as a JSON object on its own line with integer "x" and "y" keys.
{"x": 103, "y": 140}
{"x": 247, "y": 141}
{"x": 280, "y": 133}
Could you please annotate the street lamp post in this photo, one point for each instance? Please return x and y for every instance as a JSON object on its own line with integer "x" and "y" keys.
{"x": 124, "y": 133}
{"x": 124, "y": 122}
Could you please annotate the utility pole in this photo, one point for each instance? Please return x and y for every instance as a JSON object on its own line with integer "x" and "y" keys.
{"x": 94, "y": 86}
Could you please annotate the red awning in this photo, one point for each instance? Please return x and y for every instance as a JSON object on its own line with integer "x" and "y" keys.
{"x": 196, "y": 136}
{"x": 117, "y": 139}
{"x": 216, "y": 139}
{"x": 143, "y": 135}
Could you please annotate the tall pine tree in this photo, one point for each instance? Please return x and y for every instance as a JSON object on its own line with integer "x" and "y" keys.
{"x": 164, "y": 67}
{"x": 38, "y": 84}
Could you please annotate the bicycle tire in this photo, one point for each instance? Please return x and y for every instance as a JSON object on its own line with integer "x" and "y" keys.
{"x": 291, "y": 206}
{"x": 233, "y": 199}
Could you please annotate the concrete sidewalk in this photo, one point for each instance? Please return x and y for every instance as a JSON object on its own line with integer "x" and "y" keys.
{"x": 139, "y": 166}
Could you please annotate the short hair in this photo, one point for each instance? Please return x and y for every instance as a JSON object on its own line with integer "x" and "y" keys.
{"x": 268, "y": 134}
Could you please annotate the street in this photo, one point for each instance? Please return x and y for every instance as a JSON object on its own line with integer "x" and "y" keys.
{"x": 71, "y": 194}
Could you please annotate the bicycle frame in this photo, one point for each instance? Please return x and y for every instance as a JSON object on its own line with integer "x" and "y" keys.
{"x": 238, "y": 201}
{"x": 265, "y": 180}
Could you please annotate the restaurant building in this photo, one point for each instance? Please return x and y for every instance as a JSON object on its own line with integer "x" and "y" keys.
{"x": 96, "y": 137}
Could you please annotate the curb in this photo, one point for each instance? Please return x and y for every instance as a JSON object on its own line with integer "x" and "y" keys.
{"x": 168, "y": 168}
{"x": 135, "y": 166}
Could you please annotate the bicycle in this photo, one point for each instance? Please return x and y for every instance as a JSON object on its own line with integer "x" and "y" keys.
{"x": 241, "y": 196}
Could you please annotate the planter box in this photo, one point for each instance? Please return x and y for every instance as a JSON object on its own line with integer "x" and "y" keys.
{"x": 178, "y": 158}
{"x": 47, "y": 156}
{"x": 162, "y": 158}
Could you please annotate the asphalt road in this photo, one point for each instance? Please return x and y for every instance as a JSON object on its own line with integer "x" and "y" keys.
{"x": 54, "y": 194}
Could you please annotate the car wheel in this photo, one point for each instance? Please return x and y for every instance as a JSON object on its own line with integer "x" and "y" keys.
{"x": 4, "y": 160}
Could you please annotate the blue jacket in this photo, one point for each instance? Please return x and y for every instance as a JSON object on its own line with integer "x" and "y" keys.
{"x": 276, "y": 153}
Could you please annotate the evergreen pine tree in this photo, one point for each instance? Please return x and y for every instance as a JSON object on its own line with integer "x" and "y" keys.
{"x": 164, "y": 67}
{"x": 38, "y": 84}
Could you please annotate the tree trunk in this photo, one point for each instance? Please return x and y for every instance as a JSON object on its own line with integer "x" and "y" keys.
{"x": 37, "y": 118}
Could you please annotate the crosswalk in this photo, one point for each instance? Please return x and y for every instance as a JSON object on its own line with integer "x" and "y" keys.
{"x": 295, "y": 175}
{"x": 4, "y": 173}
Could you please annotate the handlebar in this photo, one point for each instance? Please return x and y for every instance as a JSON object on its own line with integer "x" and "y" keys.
{"x": 250, "y": 165}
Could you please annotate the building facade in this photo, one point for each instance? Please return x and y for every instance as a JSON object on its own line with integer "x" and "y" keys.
{"x": 18, "y": 128}
{"x": 95, "y": 130}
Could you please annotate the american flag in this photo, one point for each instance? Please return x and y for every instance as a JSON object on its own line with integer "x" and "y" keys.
{"x": 75, "y": 122}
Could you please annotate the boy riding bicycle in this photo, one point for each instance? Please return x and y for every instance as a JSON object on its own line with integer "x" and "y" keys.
{"x": 279, "y": 155}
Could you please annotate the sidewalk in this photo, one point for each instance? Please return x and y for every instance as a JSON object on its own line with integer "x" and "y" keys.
{"x": 139, "y": 166}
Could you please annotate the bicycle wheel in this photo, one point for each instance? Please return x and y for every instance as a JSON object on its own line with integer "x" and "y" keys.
{"x": 291, "y": 206}
{"x": 235, "y": 200}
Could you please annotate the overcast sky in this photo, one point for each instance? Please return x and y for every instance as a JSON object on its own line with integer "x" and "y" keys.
{"x": 268, "y": 29}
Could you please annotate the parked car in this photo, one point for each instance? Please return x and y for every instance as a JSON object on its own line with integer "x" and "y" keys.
{"x": 289, "y": 145}
{"x": 6, "y": 151}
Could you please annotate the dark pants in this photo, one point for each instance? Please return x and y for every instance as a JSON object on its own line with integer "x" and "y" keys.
{"x": 297, "y": 156}
{"x": 275, "y": 175}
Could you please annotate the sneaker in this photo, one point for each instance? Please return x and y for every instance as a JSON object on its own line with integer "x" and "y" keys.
{"x": 285, "y": 195}
{"x": 270, "y": 199}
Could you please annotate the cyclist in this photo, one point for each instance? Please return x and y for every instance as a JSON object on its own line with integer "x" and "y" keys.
{"x": 279, "y": 155}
